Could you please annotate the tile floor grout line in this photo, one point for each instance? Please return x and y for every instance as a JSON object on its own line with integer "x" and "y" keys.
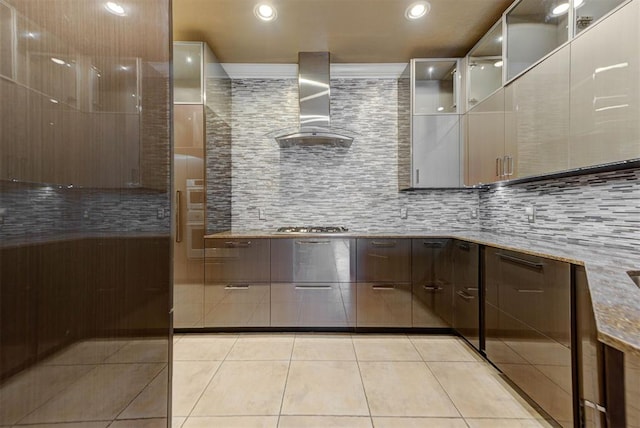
{"x": 286, "y": 379}
{"x": 444, "y": 389}
{"x": 143, "y": 389}
{"x": 50, "y": 399}
{"x": 364, "y": 389}
{"x": 210, "y": 380}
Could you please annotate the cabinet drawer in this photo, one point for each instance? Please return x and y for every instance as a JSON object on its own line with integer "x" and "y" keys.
{"x": 540, "y": 366}
{"x": 537, "y": 291}
{"x": 432, "y": 304}
{"x": 384, "y": 305}
{"x": 236, "y": 305}
{"x": 384, "y": 260}
{"x": 317, "y": 259}
{"x": 313, "y": 305}
{"x": 431, "y": 260}
{"x": 534, "y": 290}
{"x": 243, "y": 260}
{"x": 466, "y": 297}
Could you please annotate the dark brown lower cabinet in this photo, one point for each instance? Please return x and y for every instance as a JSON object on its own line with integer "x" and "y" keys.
{"x": 467, "y": 294}
{"x": 528, "y": 327}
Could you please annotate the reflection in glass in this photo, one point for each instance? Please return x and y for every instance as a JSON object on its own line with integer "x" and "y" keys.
{"x": 85, "y": 250}
{"x": 435, "y": 86}
{"x": 589, "y": 11}
{"x": 533, "y": 31}
{"x": 485, "y": 66}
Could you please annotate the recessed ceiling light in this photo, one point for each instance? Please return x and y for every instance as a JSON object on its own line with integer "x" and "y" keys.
{"x": 440, "y": 109}
{"x": 498, "y": 64}
{"x": 114, "y": 8}
{"x": 577, "y": 3}
{"x": 58, "y": 61}
{"x": 265, "y": 12}
{"x": 189, "y": 59}
{"x": 560, "y": 9}
{"x": 417, "y": 10}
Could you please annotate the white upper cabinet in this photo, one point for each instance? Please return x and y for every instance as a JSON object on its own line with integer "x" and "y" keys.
{"x": 605, "y": 90}
{"x": 434, "y": 158}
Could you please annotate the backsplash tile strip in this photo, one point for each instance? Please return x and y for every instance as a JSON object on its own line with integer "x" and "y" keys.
{"x": 601, "y": 209}
{"x": 355, "y": 187}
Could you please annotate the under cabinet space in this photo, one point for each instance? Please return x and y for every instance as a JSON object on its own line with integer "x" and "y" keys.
{"x": 313, "y": 305}
{"x": 432, "y": 283}
{"x": 384, "y": 305}
{"x": 236, "y": 305}
{"x": 384, "y": 260}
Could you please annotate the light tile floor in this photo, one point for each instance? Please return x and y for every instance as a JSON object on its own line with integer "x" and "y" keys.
{"x": 339, "y": 380}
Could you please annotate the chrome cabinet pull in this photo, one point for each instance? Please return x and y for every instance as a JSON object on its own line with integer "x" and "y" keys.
{"x": 471, "y": 288}
{"x": 499, "y": 167}
{"x": 178, "y": 220}
{"x": 521, "y": 261}
{"x": 383, "y": 287}
{"x": 430, "y": 244}
{"x": 237, "y": 244}
{"x": 464, "y": 295}
{"x": 384, "y": 244}
{"x": 312, "y": 242}
{"x": 236, "y": 287}
{"x": 510, "y": 166}
{"x": 431, "y": 288}
{"x": 417, "y": 176}
{"x": 313, "y": 287}
{"x": 465, "y": 247}
{"x": 529, "y": 290}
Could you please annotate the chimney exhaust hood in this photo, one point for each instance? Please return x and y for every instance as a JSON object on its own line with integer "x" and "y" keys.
{"x": 314, "y": 99}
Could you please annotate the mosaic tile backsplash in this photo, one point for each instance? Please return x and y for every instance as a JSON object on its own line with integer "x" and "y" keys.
{"x": 601, "y": 209}
{"x": 355, "y": 187}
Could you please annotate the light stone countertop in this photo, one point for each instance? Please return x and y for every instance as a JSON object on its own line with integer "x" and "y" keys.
{"x": 615, "y": 298}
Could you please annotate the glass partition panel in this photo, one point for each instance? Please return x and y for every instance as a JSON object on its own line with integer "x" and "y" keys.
{"x": 434, "y": 86}
{"x": 485, "y": 66}
{"x": 534, "y": 28}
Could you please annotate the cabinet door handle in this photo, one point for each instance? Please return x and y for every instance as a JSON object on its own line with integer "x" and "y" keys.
{"x": 471, "y": 288}
{"x": 465, "y": 296}
{"x": 383, "y": 287}
{"x": 378, "y": 256}
{"x": 520, "y": 261}
{"x": 498, "y": 167}
{"x": 510, "y": 165}
{"x": 236, "y": 287}
{"x": 431, "y": 288}
{"x": 313, "y": 287}
{"x": 529, "y": 290}
{"x": 178, "y": 219}
{"x": 417, "y": 176}
{"x": 384, "y": 244}
{"x": 430, "y": 244}
{"x": 465, "y": 247}
{"x": 237, "y": 244}
{"x": 313, "y": 242}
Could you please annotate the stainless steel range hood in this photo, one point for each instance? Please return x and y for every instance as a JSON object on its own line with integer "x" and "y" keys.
{"x": 314, "y": 97}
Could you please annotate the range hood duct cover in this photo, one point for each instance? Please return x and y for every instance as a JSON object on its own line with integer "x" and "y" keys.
{"x": 314, "y": 92}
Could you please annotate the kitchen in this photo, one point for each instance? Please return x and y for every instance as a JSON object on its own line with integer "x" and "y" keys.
{"x": 81, "y": 217}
